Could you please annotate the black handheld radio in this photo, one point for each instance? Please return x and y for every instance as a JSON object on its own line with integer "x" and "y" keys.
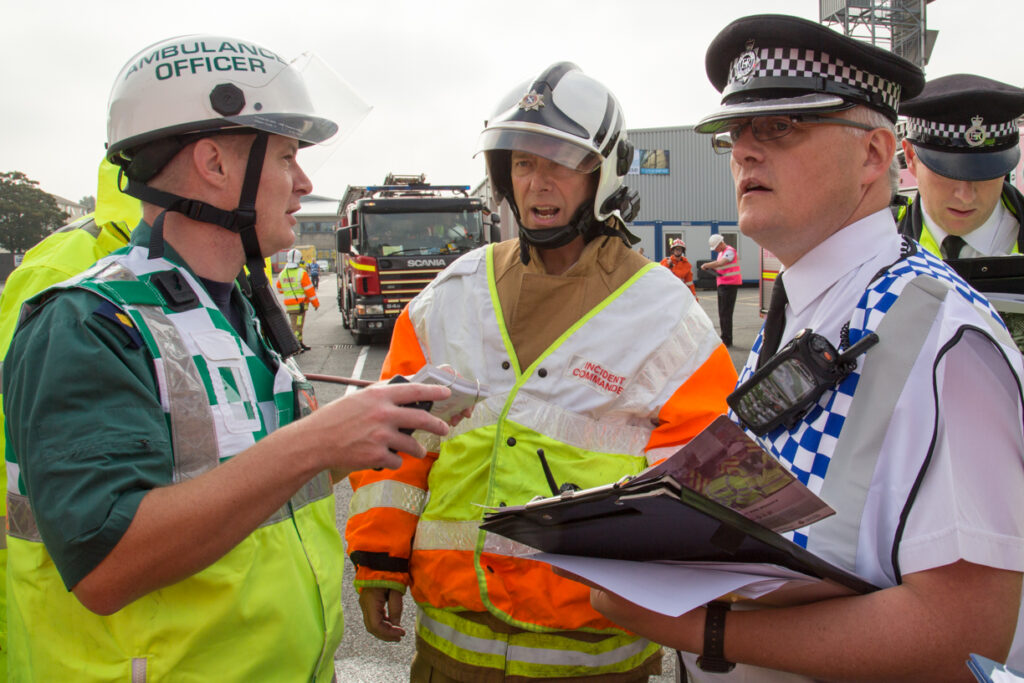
{"x": 786, "y": 387}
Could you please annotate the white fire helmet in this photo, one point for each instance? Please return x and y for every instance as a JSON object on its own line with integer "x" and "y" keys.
{"x": 569, "y": 118}
{"x": 208, "y": 83}
{"x": 677, "y": 242}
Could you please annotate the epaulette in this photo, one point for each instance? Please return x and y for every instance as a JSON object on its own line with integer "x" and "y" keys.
{"x": 123, "y": 321}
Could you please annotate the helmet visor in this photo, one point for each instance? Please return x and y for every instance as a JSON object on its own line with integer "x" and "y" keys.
{"x": 306, "y": 101}
{"x": 562, "y": 152}
{"x": 321, "y": 109}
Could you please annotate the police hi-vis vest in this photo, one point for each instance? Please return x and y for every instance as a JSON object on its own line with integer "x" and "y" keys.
{"x": 580, "y": 415}
{"x": 836, "y": 450}
{"x": 270, "y": 609}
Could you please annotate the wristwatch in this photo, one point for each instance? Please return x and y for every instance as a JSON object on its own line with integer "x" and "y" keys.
{"x": 713, "y": 659}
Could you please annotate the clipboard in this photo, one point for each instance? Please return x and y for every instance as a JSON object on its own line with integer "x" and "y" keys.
{"x": 655, "y": 519}
{"x": 989, "y": 671}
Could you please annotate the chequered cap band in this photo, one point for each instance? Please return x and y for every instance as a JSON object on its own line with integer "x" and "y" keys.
{"x": 974, "y": 135}
{"x": 798, "y": 63}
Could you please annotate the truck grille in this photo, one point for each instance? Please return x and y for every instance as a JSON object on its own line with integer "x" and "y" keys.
{"x": 399, "y": 286}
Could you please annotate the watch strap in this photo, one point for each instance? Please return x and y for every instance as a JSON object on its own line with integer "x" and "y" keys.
{"x": 713, "y": 658}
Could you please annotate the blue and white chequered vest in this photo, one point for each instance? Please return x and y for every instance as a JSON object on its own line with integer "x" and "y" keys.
{"x": 836, "y": 448}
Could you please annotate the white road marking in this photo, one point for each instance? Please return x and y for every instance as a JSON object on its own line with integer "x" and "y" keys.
{"x": 357, "y": 371}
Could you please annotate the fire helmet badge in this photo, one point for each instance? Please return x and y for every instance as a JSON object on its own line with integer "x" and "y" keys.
{"x": 532, "y": 101}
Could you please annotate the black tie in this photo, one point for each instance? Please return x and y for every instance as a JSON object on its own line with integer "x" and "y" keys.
{"x": 951, "y": 246}
{"x": 774, "y": 322}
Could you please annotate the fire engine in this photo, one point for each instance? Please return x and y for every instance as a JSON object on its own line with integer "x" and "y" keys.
{"x": 394, "y": 239}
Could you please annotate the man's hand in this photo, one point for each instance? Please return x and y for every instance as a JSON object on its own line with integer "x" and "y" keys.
{"x": 382, "y": 613}
{"x": 362, "y": 430}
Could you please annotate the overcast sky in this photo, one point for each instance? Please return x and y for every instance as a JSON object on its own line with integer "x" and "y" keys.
{"x": 432, "y": 70}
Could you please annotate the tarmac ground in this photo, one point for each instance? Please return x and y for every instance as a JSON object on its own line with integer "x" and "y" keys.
{"x": 746, "y": 320}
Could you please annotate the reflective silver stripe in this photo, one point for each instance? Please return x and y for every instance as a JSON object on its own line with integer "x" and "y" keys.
{"x": 681, "y": 353}
{"x": 537, "y": 655}
{"x": 92, "y": 228}
{"x": 317, "y": 488}
{"x": 20, "y": 520}
{"x": 139, "y": 666}
{"x": 13, "y": 476}
{"x": 432, "y": 534}
{"x": 466, "y": 642}
{"x": 531, "y": 655}
{"x": 438, "y": 535}
{"x": 388, "y": 494}
{"x": 581, "y": 431}
{"x": 3, "y": 537}
{"x": 908, "y": 324}
{"x": 193, "y": 434}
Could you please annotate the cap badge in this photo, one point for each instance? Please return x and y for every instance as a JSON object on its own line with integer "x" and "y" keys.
{"x": 976, "y": 135}
{"x": 532, "y": 101}
{"x": 744, "y": 66}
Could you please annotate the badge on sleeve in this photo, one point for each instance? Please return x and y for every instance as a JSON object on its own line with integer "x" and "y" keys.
{"x": 123, "y": 321}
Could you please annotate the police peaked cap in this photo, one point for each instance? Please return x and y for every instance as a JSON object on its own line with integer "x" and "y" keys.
{"x": 772, "y": 64}
{"x": 965, "y": 126}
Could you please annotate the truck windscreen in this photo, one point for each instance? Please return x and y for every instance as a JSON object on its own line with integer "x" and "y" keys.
{"x": 395, "y": 234}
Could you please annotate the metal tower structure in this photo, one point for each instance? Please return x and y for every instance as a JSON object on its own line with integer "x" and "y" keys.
{"x": 896, "y": 25}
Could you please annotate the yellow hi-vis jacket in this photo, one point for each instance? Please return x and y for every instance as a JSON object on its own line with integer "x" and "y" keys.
{"x": 584, "y": 413}
{"x": 297, "y": 288}
{"x": 62, "y": 254}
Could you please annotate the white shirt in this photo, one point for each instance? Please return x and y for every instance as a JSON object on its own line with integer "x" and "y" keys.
{"x": 971, "y": 502}
{"x": 997, "y": 236}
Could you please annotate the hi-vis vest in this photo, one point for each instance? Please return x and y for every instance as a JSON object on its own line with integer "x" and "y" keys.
{"x": 911, "y": 220}
{"x": 580, "y": 415}
{"x": 729, "y": 274}
{"x": 297, "y": 288}
{"x": 845, "y": 462}
{"x": 65, "y": 252}
{"x": 270, "y": 609}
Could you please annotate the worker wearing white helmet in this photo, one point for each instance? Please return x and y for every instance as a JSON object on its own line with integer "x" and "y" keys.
{"x": 680, "y": 266}
{"x": 728, "y": 280}
{"x": 590, "y": 377}
{"x": 171, "y": 516}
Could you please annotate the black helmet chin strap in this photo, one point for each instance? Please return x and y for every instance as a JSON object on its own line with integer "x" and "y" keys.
{"x": 241, "y": 220}
{"x": 582, "y": 223}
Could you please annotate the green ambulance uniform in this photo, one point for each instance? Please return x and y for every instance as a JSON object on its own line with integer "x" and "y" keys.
{"x": 270, "y": 609}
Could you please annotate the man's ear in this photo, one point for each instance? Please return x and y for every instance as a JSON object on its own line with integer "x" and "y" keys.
{"x": 880, "y": 145}
{"x": 211, "y": 161}
{"x": 911, "y": 156}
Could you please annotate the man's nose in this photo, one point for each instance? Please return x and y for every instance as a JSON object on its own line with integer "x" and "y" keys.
{"x": 746, "y": 146}
{"x": 965, "y": 191}
{"x": 543, "y": 176}
{"x": 301, "y": 182}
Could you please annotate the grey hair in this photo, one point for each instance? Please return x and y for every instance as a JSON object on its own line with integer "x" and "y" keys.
{"x": 871, "y": 117}
{"x": 877, "y": 119}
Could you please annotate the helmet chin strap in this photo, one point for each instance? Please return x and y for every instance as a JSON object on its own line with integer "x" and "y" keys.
{"x": 582, "y": 223}
{"x": 241, "y": 220}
